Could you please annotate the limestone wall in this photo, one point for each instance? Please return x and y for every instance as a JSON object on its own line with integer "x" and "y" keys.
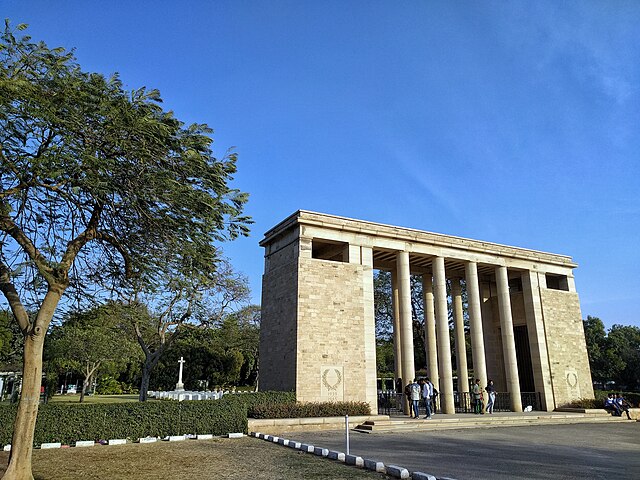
{"x": 278, "y": 330}
{"x": 570, "y": 372}
{"x": 332, "y": 332}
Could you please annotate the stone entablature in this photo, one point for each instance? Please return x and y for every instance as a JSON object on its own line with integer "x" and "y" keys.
{"x": 318, "y": 326}
{"x": 379, "y": 235}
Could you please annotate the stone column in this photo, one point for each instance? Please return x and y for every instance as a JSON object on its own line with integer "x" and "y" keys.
{"x": 444, "y": 346}
{"x": 406, "y": 323}
{"x": 508, "y": 341}
{"x": 366, "y": 256}
{"x": 431, "y": 345}
{"x": 475, "y": 323}
{"x": 397, "y": 340}
{"x": 460, "y": 342}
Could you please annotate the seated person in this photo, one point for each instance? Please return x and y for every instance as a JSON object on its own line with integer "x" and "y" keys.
{"x": 623, "y": 405}
{"x": 611, "y": 406}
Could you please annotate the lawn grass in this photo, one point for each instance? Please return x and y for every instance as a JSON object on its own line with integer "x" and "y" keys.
{"x": 94, "y": 398}
{"x": 233, "y": 459}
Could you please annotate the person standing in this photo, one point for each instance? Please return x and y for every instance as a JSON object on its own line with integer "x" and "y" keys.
{"x": 427, "y": 392}
{"x": 415, "y": 398}
{"x": 491, "y": 396}
{"x": 477, "y": 397}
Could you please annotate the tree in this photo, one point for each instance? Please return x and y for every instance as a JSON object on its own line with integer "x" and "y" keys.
{"x": 624, "y": 341}
{"x": 217, "y": 355}
{"x": 98, "y": 186}
{"x": 202, "y": 294}
{"x": 614, "y": 356}
{"x": 92, "y": 343}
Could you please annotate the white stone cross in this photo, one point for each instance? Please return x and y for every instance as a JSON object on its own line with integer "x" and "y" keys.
{"x": 180, "y": 385}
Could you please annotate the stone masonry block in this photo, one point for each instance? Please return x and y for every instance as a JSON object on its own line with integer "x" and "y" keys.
{"x": 397, "y": 472}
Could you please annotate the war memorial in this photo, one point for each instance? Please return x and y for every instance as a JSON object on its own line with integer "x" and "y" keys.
{"x": 318, "y": 326}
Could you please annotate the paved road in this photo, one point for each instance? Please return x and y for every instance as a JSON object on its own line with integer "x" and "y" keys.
{"x": 585, "y": 451}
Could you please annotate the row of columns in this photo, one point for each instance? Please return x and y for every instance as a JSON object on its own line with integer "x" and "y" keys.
{"x": 437, "y": 329}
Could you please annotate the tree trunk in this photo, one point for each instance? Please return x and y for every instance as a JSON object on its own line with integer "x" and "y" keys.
{"x": 19, "y": 467}
{"x": 23, "y": 428}
{"x": 144, "y": 383}
{"x": 83, "y": 389}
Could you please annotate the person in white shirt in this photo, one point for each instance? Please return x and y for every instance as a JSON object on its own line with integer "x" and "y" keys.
{"x": 427, "y": 393}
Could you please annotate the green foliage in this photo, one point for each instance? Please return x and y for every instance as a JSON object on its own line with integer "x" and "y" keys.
{"x": 68, "y": 423}
{"x": 92, "y": 343}
{"x": 257, "y": 399}
{"x": 312, "y": 409}
{"x": 10, "y": 342}
{"x": 613, "y": 355}
{"x": 222, "y": 355}
{"x": 600, "y": 395}
{"x": 107, "y": 385}
{"x": 99, "y": 176}
{"x": 384, "y": 358}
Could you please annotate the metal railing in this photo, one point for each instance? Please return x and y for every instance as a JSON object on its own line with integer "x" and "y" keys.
{"x": 392, "y": 403}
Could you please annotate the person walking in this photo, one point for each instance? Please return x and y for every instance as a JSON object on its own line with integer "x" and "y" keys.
{"x": 477, "y": 397}
{"x": 491, "y": 396}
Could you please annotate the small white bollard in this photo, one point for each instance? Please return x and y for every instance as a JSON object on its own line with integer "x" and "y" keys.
{"x": 346, "y": 431}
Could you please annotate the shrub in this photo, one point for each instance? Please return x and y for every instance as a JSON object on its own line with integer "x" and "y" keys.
{"x": 600, "y": 396}
{"x": 311, "y": 409}
{"x": 67, "y": 423}
{"x": 251, "y": 400}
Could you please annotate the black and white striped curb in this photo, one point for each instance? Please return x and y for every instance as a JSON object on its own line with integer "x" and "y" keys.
{"x": 366, "y": 463}
{"x": 124, "y": 441}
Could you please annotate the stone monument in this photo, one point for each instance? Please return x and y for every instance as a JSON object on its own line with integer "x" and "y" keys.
{"x": 180, "y": 385}
{"x": 317, "y": 333}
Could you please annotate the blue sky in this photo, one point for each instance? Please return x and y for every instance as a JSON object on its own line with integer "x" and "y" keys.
{"x": 511, "y": 122}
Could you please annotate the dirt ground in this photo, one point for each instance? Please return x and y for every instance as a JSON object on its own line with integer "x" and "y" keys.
{"x": 202, "y": 459}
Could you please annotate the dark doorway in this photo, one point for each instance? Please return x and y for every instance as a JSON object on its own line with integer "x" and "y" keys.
{"x": 523, "y": 356}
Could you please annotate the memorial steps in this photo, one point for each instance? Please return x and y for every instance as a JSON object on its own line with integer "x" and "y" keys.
{"x": 447, "y": 422}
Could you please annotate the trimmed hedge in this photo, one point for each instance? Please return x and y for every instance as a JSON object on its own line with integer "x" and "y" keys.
{"x": 254, "y": 399}
{"x": 68, "y": 423}
{"x": 631, "y": 397}
{"x": 311, "y": 409}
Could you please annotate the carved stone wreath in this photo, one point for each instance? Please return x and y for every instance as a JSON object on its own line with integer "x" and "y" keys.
{"x": 572, "y": 379}
{"x": 326, "y": 383}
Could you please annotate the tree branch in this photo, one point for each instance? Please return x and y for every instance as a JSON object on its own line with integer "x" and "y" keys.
{"x": 81, "y": 240}
{"x": 8, "y": 225}
{"x": 9, "y": 291}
